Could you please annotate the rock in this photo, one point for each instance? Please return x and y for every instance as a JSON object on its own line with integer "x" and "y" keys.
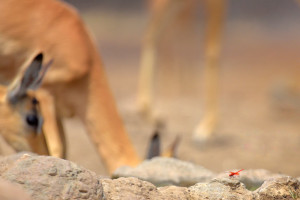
{"x": 49, "y": 178}
{"x": 252, "y": 178}
{"x": 279, "y": 188}
{"x": 174, "y": 192}
{"x": 167, "y": 171}
{"x": 45, "y": 177}
{"x": 134, "y": 189}
{"x": 220, "y": 188}
{"x": 129, "y": 189}
{"x": 224, "y": 188}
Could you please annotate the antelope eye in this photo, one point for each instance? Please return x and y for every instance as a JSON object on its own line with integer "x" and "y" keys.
{"x": 32, "y": 120}
{"x": 35, "y": 101}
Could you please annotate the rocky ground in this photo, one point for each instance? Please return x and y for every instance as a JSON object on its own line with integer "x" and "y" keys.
{"x": 30, "y": 177}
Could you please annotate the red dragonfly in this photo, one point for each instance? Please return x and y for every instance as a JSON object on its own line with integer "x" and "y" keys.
{"x": 231, "y": 174}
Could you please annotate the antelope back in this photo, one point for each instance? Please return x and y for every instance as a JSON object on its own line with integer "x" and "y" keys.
{"x": 20, "y": 117}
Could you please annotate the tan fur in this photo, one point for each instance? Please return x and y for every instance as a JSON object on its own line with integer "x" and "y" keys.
{"x": 77, "y": 80}
{"x": 13, "y": 127}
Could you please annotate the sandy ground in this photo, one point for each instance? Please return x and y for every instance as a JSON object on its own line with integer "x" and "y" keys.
{"x": 253, "y": 131}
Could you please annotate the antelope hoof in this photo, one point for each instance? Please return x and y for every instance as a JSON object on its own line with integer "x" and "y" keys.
{"x": 202, "y": 133}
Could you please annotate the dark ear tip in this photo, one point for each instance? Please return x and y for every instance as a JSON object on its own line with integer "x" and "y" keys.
{"x": 39, "y": 57}
{"x": 155, "y": 136}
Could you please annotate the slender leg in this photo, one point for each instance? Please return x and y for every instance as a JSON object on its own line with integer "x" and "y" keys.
{"x": 104, "y": 124}
{"x": 215, "y": 17}
{"x": 52, "y": 128}
{"x": 161, "y": 17}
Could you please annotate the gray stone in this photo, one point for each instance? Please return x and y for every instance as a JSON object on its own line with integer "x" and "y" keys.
{"x": 217, "y": 189}
{"x": 224, "y": 188}
{"x": 279, "y": 188}
{"x": 129, "y": 189}
{"x": 252, "y": 178}
{"x": 174, "y": 192}
{"x": 52, "y": 178}
{"x": 49, "y": 178}
{"x": 167, "y": 171}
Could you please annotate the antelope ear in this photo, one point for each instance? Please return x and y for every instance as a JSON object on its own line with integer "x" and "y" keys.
{"x": 43, "y": 71}
{"x": 30, "y": 79}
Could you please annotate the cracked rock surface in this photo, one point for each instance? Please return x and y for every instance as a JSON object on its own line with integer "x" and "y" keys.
{"x": 48, "y": 178}
{"x": 163, "y": 171}
{"x": 279, "y": 188}
{"x": 167, "y": 171}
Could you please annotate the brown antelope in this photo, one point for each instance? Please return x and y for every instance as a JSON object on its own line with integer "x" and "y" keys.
{"x": 76, "y": 82}
{"x": 164, "y": 11}
{"x": 20, "y": 112}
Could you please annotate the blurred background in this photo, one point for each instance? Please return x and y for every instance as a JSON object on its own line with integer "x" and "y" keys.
{"x": 260, "y": 86}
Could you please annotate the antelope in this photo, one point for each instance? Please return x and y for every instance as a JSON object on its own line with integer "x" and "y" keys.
{"x": 76, "y": 84}
{"x": 164, "y": 11}
{"x": 21, "y": 119}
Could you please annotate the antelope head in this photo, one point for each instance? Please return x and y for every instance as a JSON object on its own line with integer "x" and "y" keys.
{"x": 20, "y": 117}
